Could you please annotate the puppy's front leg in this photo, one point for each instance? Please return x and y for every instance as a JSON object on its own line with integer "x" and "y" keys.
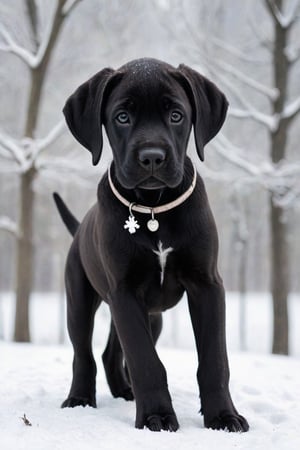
{"x": 207, "y": 309}
{"x": 148, "y": 376}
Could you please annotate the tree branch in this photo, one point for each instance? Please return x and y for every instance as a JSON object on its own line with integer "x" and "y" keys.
{"x": 271, "y": 122}
{"x": 246, "y": 110}
{"x": 69, "y": 5}
{"x": 291, "y": 110}
{"x": 230, "y": 152}
{"x": 281, "y": 179}
{"x": 270, "y": 92}
{"x": 64, "y": 7}
{"x": 11, "y": 46}
{"x": 285, "y": 21}
{"x": 14, "y": 149}
{"x": 6, "y": 224}
{"x": 33, "y": 20}
{"x": 37, "y": 146}
{"x": 51, "y": 137}
{"x": 260, "y": 34}
{"x": 236, "y": 52}
{"x": 292, "y": 54}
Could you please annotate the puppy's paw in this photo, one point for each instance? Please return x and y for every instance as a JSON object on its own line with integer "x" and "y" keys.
{"x": 71, "y": 402}
{"x": 228, "y": 421}
{"x": 158, "y": 422}
{"x": 122, "y": 390}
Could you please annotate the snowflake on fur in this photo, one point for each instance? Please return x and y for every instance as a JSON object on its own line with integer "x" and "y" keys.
{"x": 131, "y": 224}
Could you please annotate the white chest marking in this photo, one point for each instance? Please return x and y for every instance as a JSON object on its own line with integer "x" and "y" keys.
{"x": 162, "y": 258}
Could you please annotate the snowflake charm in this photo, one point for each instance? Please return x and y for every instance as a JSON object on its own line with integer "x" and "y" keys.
{"x": 131, "y": 224}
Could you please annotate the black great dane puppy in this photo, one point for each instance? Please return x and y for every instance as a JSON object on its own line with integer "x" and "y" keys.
{"x": 150, "y": 237}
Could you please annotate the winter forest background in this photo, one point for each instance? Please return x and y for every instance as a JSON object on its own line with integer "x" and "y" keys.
{"x": 250, "y": 49}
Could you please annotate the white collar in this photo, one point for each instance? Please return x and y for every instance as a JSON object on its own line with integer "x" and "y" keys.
{"x": 131, "y": 224}
{"x": 155, "y": 209}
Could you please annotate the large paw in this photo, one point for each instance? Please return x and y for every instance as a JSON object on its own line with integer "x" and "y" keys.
{"x": 158, "y": 422}
{"x": 228, "y": 421}
{"x": 154, "y": 411}
{"x": 71, "y": 402}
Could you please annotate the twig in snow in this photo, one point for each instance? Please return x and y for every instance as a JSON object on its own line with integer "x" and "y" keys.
{"x": 26, "y": 421}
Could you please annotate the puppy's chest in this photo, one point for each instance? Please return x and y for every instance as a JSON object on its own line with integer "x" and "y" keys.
{"x": 162, "y": 252}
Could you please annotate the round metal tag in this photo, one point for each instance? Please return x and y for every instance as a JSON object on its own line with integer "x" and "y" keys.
{"x": 153, "y": 225}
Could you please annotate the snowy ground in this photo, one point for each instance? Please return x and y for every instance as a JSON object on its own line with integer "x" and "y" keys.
{"x": 34, "y": 379}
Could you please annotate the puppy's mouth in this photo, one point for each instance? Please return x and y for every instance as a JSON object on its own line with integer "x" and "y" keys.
{"x": 151, "y": 183}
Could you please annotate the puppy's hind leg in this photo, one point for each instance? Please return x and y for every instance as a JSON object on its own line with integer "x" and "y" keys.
{"x": 115, "y": 369}
{"x": 82, "y": 303}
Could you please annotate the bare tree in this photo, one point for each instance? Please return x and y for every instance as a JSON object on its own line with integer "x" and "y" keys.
{"x": 226, "y": 62}
{"x": 283, "y": 188}
{"x": 282, "y": 25}
{"x": 25, "y": 152}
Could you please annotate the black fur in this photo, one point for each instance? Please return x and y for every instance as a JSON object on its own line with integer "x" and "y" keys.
{"x": 148, "y": 109}
{"x": 69, "y": 220}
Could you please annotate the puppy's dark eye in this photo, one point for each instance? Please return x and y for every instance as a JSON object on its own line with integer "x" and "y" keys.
{"x": 123, "y": 118}
{"x": 176, "y": 117}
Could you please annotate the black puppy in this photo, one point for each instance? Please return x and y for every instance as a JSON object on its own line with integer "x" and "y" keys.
{"x": 150, "y": 237}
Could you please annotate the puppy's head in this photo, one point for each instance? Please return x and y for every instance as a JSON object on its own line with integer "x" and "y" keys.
{"x": 148, "y": 108}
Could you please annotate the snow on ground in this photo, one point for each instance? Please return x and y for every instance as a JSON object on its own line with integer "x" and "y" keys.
{"x": 35, "y": 379}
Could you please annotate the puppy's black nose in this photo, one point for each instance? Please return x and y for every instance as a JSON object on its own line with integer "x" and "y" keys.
{"x": 152, "y": 158}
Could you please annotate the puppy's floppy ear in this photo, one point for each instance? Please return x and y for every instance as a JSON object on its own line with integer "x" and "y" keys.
{"x": 209, "y": 106}
{"x": 83, "y": 112}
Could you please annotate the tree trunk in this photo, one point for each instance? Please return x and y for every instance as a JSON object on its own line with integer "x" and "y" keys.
{"x": 278, "y": 228}
{"x": 24, "y": 257}
{"x": 26, "y": 196}
{"x": 280, "y": 281}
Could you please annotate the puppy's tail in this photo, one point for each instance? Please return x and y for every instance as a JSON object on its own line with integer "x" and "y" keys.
{"x": 68, "y": 219}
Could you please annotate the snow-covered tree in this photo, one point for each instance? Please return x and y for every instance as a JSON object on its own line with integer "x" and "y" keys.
{"x": 50, "y": 56}
{"x": 256, "y": 63}
{"x": 23, "y": 155}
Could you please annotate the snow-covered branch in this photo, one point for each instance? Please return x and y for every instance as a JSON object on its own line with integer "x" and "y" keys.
{"x": 45, "y": 40}
{"x": 260, "y": 33}
{"x": 270, "y": 92}
{"x": 291, "y": 110}
{"x": 292, "y": 54}
{"x": 51, "y": 137}
{"x": 32, "y": 60}
{"x": 26, "y": 151}
{"x": 235, "y": 51}
{"x": 246, "y": 110}
{"x": 70, "y": 166}
{"x": 15, "y": 150}
{"x": 231, "y": 153}
{"x": 6, "y": 224}
{"x": 285, "y": 169}
{"x": 6, "y": 154}
{"x": 282, "y": 180}
{"x": 284, "y": 20}
{"x": 271, "y": 122}
{"x": 9, "y": 45}
{"x": 34, "y": 147}
{"x": 289, "y": 199}
{"x": 68, "y": 6}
